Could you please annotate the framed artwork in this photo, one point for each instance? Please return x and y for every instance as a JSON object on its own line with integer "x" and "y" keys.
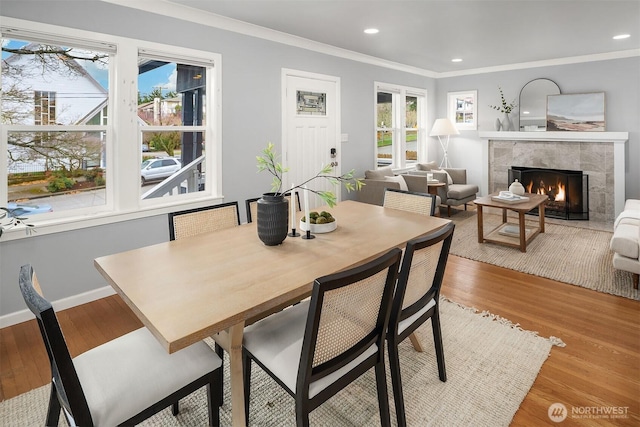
{"x": 580, "y": 112}
{"x": 311, "y": 103}
{"x": 462, "y": 109}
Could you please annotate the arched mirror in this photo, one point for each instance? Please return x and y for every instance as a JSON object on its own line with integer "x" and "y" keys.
{"x": 533, "y": 104}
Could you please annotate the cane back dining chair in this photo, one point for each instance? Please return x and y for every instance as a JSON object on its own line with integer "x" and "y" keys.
{"x": 252, "y": 206}
{"x": 192, "y": 222}
{"x": 410, "y": 201}
{"x": 415, "y": 301}
{"x": 123, "y": 381}
{"x": 316, "y": 348}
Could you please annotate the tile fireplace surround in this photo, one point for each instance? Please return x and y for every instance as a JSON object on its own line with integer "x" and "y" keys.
{"x": 601, "y": 155}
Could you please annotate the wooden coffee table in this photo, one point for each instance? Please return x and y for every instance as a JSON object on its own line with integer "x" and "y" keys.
{"x": 510, "y": 234}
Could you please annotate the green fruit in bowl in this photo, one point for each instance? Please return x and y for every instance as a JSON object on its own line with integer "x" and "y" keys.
{"x": 321, "y": 220}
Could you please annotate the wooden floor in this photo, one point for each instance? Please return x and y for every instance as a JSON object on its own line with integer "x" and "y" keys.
{"x": 598, "y": 371}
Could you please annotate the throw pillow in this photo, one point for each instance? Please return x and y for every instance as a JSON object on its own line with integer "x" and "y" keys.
{"x": 449, "y": 180}
{"x": 399, "y": 179}
{"x": 378, "y": 173}
{"x": 427, "y": 166}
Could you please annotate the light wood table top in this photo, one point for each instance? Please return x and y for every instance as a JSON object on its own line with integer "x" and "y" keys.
{"x": 192, "y": 288}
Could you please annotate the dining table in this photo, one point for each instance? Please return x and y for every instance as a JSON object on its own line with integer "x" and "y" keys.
{"x": 214, "y": 284}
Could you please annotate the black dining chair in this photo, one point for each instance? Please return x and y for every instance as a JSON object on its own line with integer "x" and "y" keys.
{"x": 416, "y": 300}
{"x": 410, "y": 201}
{"x": 318, "y": 347}
{"x": 192, "y": 222}
{"x": 124, "y": 381}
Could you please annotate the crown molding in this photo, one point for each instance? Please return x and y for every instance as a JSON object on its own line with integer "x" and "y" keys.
{"x": 165, "y": 8}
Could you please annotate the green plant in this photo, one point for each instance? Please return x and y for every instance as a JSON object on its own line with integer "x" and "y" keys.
{"x": 504, "y": 107}
{"x": 268, "y": 162}
{"x": 93, "y": 174}
{"x": 59, "y": 182}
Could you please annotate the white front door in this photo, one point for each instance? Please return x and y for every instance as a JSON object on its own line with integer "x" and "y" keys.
{"x": 310, "y": 129}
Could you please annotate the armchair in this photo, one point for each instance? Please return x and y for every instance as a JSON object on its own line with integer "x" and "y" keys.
{"x": 456, "y": 191}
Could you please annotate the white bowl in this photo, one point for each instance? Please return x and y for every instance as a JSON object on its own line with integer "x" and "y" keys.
{"x": 319, "y": 228}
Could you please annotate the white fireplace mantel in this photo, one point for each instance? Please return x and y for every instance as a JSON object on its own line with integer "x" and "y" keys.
{"x": 615, "y": 137}
{"x": 618, "y": 139}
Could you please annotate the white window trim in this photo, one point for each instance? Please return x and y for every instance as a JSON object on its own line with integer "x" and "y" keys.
{"x": 399, "y": 130}
{"x": 123, "y": 198}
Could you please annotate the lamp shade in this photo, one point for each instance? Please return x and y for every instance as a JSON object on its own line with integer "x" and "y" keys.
{"x": 443, "y": 127}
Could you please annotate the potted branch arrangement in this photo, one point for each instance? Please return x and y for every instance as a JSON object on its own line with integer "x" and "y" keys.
{"x": 506, "y": 109}
{"x": 273, "y": 207}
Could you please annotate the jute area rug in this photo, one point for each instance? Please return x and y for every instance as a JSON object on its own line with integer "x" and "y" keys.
{"x": 491, "y": 365}
{"x": 568, "y": 254}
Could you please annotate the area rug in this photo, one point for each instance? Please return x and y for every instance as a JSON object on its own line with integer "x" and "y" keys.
{"x": 491, "y": 365}
{"x": 568, "y": 254}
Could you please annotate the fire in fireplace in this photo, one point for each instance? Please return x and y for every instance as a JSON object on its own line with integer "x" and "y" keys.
{"x": 567, "y": 190}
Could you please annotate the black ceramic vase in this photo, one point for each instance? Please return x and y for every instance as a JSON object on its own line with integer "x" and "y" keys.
{"x": 273, "y": 220}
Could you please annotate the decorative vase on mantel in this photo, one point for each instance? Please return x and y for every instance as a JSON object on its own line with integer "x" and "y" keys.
{"x": 273, "y": 219}
{"x": 506, "y": 123}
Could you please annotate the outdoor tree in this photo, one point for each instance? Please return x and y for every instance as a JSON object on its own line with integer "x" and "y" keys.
{"x": 57, "y": 150}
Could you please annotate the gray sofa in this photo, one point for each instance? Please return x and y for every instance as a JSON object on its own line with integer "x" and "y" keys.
{"x": 376, "y": 181}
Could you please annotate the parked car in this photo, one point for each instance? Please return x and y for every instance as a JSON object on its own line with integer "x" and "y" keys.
{"x": 22, "y": 209}
{"x": 157, "y": 169}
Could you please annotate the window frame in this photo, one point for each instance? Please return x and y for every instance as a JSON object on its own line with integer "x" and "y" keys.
{"x": 398, "y": 129}
{"x": 122, "y": 140}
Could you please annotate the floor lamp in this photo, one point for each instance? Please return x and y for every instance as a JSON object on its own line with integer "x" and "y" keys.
{"x": 444, "y": 127}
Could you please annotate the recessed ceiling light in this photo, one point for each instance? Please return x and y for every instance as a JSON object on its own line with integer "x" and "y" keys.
{"x": 525, "y": 112}
{"x": 621, "y": 36}
{"x": 456, "y": 60}
{"x": 371, "y": 31}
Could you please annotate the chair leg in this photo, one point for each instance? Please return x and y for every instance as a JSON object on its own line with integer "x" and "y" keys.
{"x": 383, "y": 396}
{"x": 396, "y": 383}
{"x": 448, "y": 210}
{"x": 175, "y": 408}
{"x": 415, "y": 341}
{"x": 246, "y": 362}
{"x": 302, "y": 415}
{"x": 214, "y": 399}
{"x": 220, "y": 353}
{"x": 437, "y": 338}
{"x": 53, "y": 413}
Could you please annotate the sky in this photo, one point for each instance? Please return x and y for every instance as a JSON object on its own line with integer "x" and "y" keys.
{"x": 163, "y": 77}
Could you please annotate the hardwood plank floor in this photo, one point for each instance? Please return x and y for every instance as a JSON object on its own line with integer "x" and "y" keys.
{"x": 599, "y": 369}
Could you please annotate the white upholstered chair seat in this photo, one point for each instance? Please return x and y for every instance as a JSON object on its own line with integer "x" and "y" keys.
{"x": 404, "y": 324}
{"x": 277, "y": 342}
{"x": 116, "y": 387}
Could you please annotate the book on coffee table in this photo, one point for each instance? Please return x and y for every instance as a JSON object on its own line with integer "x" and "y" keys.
{"x": 512, "y": 199}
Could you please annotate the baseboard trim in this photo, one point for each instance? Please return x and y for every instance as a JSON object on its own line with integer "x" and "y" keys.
{"x": 62, "y": 304}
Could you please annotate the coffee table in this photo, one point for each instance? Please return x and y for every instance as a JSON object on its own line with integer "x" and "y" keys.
{"x": 509, "y": 234}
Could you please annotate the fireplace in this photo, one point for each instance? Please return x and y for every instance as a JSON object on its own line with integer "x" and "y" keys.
{"x": 567, "y": 190}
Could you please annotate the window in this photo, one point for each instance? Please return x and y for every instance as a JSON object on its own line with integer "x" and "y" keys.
{"x": 400, "y": 125}
{"x": 55, "y": 139}
{"x": 45, "y": 108}
{"x": 58, "y": 124}
{"x": 462, "y": 109}
{"x": 172, "y": 119}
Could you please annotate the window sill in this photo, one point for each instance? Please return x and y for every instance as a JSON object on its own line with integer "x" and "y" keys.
{"x": 59, "y": 225}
